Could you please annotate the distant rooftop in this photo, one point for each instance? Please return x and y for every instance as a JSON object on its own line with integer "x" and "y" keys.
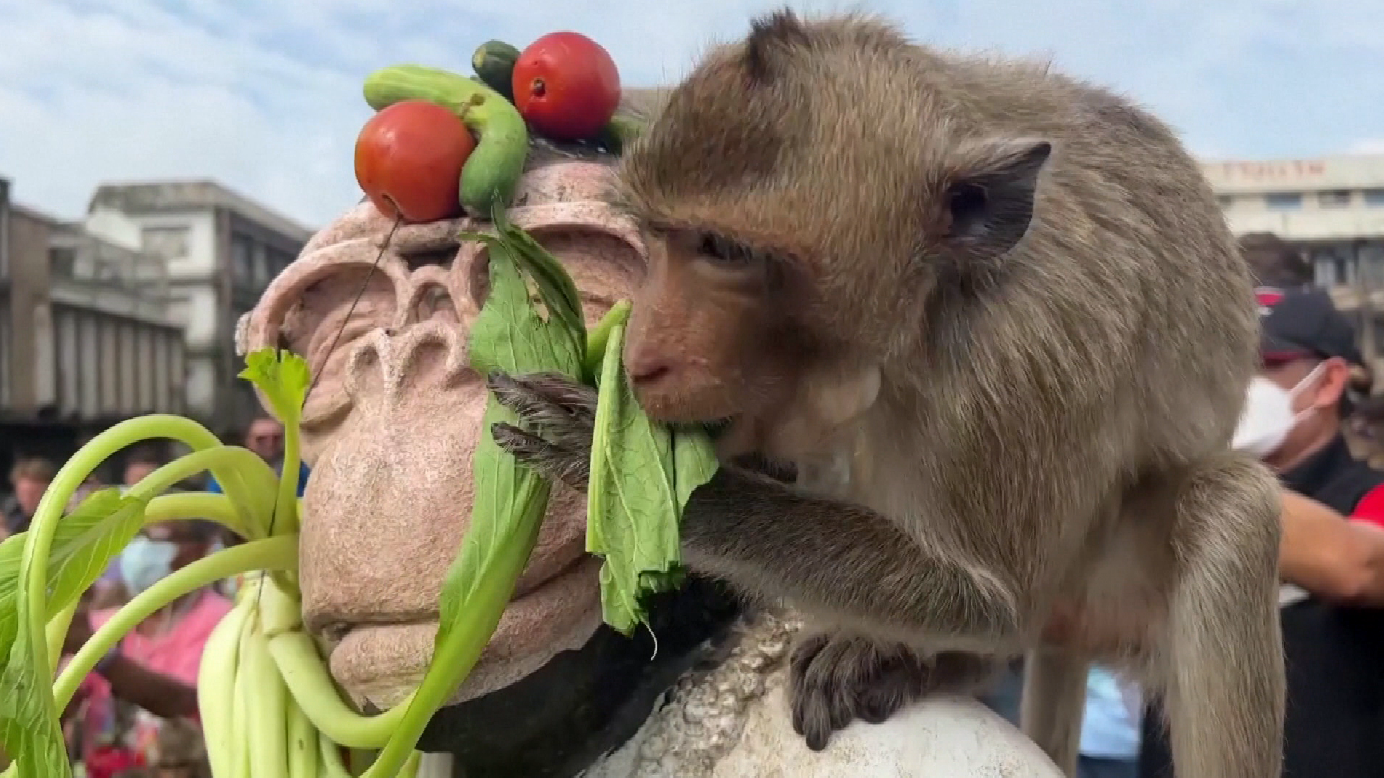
{"x": 35, "y": 214}
{"x": 149, "y": 197}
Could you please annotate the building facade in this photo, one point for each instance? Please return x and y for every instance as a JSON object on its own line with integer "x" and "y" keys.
{"x": 1330, "y": 207}
{"x": 221, "y": 250}
{"x": 86, "y": 337}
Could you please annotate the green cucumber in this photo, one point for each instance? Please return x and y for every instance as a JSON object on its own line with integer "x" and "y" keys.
{"x": 492, "y": 172}
{"x": 619, "y": 133}
{"x": 494, "y": 63}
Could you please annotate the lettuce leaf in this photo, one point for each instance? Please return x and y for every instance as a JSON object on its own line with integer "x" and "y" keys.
{"x": 641, "y": 476}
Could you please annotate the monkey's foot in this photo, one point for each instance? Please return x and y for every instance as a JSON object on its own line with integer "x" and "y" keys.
{"x": 837, "y": 677}
{"x": 562, "y": 413}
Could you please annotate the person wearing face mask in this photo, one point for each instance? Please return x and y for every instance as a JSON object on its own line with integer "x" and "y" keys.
{"x": 155, "y": 667}
{"x": 1331, "y": 557}
{"x": 265, "y": 436}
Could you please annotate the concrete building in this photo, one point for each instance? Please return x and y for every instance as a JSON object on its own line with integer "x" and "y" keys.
{"x": 86, "y": 338}
{"x": 1333, "y": 208}
{"x": 221, "y": 250}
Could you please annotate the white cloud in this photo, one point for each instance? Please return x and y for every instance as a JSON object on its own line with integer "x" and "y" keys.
{"x": 266, "y": 96}
{"x": 1368, "y": 146}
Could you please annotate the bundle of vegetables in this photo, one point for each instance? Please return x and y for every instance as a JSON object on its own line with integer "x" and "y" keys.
{"x": 441, "y": 143}
{"x": 269, "y": 708}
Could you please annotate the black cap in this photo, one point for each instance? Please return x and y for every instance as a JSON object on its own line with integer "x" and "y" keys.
{"x": 1303, "y": 323}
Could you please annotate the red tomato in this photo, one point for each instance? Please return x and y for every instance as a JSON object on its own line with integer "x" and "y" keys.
{"x": 410, "y": 155}
{"x": 566, "y": 86}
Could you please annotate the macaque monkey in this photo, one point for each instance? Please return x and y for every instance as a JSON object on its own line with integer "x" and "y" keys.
{"x": 995, "y": 319}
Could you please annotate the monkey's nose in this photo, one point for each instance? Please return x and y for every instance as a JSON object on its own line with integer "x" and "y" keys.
{"x": 643, "y": 372}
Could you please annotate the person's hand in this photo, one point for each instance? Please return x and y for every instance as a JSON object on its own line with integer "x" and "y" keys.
{"x": 79, "y": 632}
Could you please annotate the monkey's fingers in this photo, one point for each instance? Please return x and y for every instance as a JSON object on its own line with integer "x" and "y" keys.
{"x": 546, "y": 400}
{"x": 823, "y": 700}
{"x": 572, "y": 396}
{"x": 551, "y": 461}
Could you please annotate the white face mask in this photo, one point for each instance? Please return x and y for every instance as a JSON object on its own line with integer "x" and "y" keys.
{"x": 145, "y": 562}
{"x": 1268, "y": 417}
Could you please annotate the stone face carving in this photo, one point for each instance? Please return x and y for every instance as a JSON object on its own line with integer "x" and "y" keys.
{"x": 393, "y": 418}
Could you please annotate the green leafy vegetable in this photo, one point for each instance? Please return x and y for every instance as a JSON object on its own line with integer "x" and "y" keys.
{"x": 82, "y": 546}
{"x": 510, "y": 499}
{"x": 283, "y": 377}
{"x": 641, "y": 476}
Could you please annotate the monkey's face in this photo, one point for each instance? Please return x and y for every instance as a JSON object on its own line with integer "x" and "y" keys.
{"x": 705, "y": 343}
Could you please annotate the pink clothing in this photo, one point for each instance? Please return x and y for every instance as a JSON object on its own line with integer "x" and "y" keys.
{"x": 176, "y": 651}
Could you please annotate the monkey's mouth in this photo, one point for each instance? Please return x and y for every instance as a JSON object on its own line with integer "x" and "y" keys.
{"x": 715, "y": 428}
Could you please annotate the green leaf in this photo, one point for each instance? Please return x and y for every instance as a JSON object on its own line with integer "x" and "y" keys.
{"x": 83, "y": 545}
{"x": 508, "y": 335}
{"x": 641, "y": 476}
{"x": 283, "y": 377}
{"x": 555, "y": 284}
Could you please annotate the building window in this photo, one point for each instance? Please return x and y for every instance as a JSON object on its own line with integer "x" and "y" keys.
{"x": 261, "y": 256}
{"x": 241, "y": 269}
{"x": 1283, "y": 201}
{"x": 1225, "y": 201}
{"x": 279, "y": 260}
{"x": 1374, "y": 197}
{"x": 63, "y": 261}
{"x": 167, "y": 242}
{"x": 1335, "y": 198}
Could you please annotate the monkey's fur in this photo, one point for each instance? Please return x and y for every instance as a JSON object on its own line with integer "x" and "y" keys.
{"x": 996, "y": 319}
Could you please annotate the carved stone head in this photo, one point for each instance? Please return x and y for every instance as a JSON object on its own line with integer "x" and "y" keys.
{"x": 391, "y": 423}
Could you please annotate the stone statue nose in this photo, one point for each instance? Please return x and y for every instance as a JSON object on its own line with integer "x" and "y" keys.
{"x": 392, "y": 363}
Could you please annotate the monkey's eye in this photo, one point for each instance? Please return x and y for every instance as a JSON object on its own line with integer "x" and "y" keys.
{"x": 725, "y": 252}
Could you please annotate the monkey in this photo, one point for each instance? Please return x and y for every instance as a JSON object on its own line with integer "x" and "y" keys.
{"x": 994, "y": 322}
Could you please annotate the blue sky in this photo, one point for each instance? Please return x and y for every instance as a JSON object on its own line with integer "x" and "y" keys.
{"x": 265, "y": 96}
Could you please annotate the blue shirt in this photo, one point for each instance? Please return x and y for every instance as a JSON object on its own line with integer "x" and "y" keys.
{"x": 1109, "y": 730}
{"x": 213, "y": 486}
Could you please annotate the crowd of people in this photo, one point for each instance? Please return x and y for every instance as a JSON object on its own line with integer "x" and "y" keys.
{"x": 135, "y": 715}
{"x": 1309, "y": 417}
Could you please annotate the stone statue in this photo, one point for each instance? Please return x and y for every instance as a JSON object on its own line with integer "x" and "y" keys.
{"x": 389, "y": 429}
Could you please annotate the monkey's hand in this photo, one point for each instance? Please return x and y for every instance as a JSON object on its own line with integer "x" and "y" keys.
{"x": 562, "y": 414}
{"x": 837, "y": 677}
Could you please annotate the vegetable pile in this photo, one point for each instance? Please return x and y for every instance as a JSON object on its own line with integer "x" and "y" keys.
{"x": 411, "y": 159}
{"x": 269, "y": 707}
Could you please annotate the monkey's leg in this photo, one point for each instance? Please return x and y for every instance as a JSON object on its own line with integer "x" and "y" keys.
{"x": 838, "y": 676}
{"x": 1053, "y": 703}
{"x": 1222, "y": 654}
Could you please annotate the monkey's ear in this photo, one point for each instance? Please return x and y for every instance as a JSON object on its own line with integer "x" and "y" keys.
{"x": 771, "y": 35}
{"x": 989, "y": 195}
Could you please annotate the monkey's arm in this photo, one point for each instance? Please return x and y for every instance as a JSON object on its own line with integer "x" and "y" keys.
{"x": 825, "y": 556}
{"x": 838, "y": 558}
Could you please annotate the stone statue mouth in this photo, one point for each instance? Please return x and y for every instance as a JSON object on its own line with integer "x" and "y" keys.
{"x": 379, "y": 658}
